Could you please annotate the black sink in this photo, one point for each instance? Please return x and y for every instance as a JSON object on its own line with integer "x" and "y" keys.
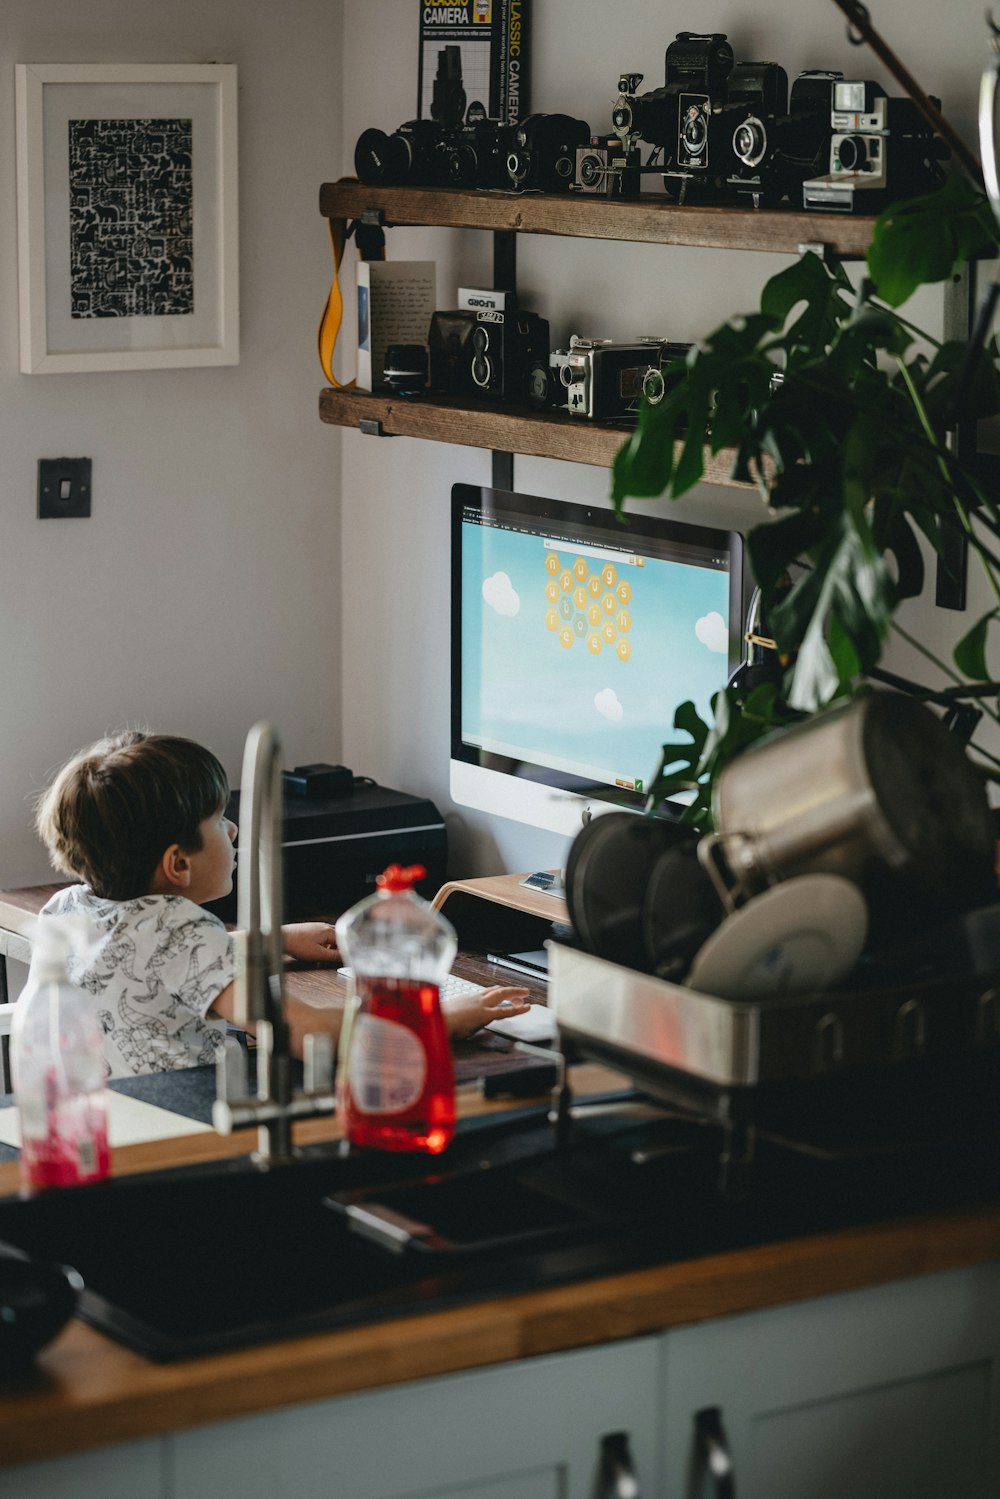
{"x": 190, "y": 1261}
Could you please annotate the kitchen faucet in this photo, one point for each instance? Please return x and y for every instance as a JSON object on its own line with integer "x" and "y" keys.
{"x": 259, "y": 977}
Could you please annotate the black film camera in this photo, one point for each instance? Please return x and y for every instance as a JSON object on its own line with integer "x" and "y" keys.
{"x": 775, "y": 153}
{"x": 446, "y": 150}
{"x": 498, "y": 354}
{"x": 694, "y": 62}
{"x": 542, "y": 154}
{"x": 881, "y": 149}
{"x": 609, "y": 167}
{"x": 607, "y": 381}
{"x": 476, "y": 155}
{"x": 705, "y": 157}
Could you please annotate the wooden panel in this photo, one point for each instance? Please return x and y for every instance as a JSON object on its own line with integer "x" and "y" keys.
{"x": 478, "y": 425}
{"x": 649, "y": 220}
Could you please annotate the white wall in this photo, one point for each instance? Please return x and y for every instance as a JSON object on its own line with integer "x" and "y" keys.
{"x": 204, "y": 592}
{"x": 396, "y": 492}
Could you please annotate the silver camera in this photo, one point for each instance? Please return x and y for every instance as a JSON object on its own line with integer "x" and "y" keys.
{"x": 607, "y": 381}
{"x": 881, "y": 149}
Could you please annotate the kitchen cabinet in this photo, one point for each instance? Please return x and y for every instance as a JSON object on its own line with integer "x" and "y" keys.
{"x": 887, "y": 1392}
{"x": 530, "y": 1430}
{"x": 892, "y": 1392}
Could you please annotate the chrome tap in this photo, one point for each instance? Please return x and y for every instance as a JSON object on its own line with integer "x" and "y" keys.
{"x": 259, "y": 977}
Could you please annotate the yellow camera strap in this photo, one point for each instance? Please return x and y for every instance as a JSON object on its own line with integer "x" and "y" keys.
{"x": 370, "y": 242}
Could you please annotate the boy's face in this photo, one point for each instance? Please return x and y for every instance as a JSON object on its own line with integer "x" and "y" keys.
{"x": 212, "y": 865}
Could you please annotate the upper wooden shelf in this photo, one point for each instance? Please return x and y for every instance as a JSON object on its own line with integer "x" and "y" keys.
{"x": 651, "y": 220}
{"x": 476, "y": 424}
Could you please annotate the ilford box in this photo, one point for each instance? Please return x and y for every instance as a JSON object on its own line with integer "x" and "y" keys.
{"x": 493, "y": 38}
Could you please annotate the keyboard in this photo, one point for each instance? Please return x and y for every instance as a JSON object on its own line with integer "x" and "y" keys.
{"x": 452, "y": 987}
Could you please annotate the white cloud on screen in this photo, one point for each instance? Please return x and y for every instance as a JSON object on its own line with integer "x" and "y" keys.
{"x": 711, "y": 631}
{"x": 501, "y": 595}
{"x": 606, "y": 702}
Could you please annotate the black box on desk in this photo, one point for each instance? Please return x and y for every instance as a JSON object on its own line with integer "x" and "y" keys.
{"x": 334, "y": 849}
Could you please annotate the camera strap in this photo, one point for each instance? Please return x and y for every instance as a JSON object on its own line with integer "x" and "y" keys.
{"x": 370, "y": 242}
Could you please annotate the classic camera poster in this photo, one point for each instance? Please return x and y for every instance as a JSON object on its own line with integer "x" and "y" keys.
{"x": 492, "y": 36}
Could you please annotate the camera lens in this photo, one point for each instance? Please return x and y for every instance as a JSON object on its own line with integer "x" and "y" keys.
{"x": 570, "y": 375}
{"x": 653, "y": 386}
{"x": 853, "y": 153}
{"x": 750, "y": 142}
{"x": 381, "y": 159}
{"x": 591, "y": 170}
{"x": 694, "y": 133}
{"x": 461, "y": 166}
{"x": 480, "y": 339}
{"x": 621, "y": 116}
{"x": 482, "y": 371}
{"x": 517, "y": 165}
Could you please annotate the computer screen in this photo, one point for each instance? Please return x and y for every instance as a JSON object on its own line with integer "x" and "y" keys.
{"x": 575, "y": 637}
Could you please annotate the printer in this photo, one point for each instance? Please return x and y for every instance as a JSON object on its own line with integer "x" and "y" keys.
{"x": 333, "y": 848}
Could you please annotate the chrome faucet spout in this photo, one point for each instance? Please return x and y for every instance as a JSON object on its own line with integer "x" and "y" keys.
{"x": 260, "y": 999}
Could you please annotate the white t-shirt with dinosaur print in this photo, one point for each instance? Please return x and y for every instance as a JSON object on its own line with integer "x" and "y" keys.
{"x": 156, "y": 966}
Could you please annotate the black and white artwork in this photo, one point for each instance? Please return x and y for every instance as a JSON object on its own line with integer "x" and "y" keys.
{"x": 131, "y": 218}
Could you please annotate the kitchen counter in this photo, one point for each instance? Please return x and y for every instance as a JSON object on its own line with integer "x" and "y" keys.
{"x": 87, "y": 1391}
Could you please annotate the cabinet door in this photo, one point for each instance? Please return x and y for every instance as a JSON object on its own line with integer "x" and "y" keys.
{"x": 530, "y": 1430}
{"x": 892, "y": 1391}
{"x": 131, "y": 1471}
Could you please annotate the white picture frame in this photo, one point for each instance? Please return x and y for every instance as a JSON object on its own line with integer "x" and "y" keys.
{"x": 127, "y": 216}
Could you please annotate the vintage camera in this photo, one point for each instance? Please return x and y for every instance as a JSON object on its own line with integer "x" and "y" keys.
{"x": 422, "y": 152}
{"x": 607, "y": 381}
{"x": 476, "y": 155}
{"x": 607, "y": 166}
{"x": 776, "y": 152}
{"x": 490, "y": 352}
{"x": 705, "y": 156}
{"x": 412, "y": 154}
{"x": 881, "y": 149}
{"x": 693, "y": 61}
{"x": 542, "y": 155}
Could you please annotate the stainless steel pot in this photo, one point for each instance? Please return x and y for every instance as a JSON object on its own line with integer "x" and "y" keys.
{"x": 877, "y": 791}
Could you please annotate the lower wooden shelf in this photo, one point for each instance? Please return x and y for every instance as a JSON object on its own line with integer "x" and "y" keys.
{"x": 475, "y": 424}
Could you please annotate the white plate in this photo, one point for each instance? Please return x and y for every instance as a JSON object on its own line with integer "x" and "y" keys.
{"x": 804, "y": 934}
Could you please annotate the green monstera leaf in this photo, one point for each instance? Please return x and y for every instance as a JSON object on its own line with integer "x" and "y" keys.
{"x": 850, "y": 451}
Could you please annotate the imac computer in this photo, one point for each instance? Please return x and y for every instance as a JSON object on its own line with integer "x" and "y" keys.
{"x": 575, "y": 638}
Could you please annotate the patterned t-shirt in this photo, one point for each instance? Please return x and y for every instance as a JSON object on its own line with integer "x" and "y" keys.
{"x": 156, "y": 966}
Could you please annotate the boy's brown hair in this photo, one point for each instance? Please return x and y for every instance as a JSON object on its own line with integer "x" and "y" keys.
{"x": 113, "y": 810}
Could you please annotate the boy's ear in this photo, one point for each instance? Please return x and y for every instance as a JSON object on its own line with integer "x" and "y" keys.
{"x": 173, "y": 871}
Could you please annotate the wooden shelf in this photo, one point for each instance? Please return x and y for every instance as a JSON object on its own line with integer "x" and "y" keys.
{"x": 552, "y": 434}
{"x": 650, "y": 219}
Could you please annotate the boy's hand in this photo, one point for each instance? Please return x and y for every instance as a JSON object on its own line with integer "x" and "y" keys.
{"x": 310, "y": 942}
{"x": 467, "y": 1013}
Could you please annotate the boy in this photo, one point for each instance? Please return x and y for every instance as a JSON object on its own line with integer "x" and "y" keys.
{"x": 141, "y": 820}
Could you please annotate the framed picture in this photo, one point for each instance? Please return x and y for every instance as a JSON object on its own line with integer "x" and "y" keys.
{"x": 127, "y": 216}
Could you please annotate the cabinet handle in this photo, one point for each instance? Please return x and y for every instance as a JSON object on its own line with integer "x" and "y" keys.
{"x": 713, "y": 1453}
{"x": 617, "y": 1478}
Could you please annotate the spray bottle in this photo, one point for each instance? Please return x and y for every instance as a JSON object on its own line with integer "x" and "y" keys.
{"x": 58, "y": 1066}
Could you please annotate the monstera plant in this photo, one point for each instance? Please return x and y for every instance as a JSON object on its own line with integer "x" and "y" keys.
{"x": 850, "y": 452}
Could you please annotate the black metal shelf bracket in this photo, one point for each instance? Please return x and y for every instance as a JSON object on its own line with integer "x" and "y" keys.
{"x": 504, "y": 279}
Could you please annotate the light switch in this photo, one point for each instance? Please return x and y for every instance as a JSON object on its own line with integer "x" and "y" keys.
{"x": 64, "y": 487}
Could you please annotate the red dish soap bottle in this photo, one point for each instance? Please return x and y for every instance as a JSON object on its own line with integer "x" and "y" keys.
{"x": 397, "y": 1087}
